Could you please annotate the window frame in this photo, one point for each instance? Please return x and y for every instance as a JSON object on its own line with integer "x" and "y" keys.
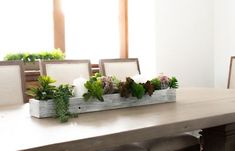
{"x": 59, "y": 27}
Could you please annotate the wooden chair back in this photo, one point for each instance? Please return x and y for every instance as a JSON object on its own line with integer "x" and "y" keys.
{"x": 12, "y": 83}
{"x": 65, "y": 71}
{"x": 121, "y": 68}
{"x": 231, "y": 77}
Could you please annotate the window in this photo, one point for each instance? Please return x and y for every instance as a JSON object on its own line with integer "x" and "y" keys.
{"x": 142, "y": 34}
{"x": 91, "y": 29}
{"x": 26, "y": 25}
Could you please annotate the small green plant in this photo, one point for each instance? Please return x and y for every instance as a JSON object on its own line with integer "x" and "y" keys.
{"x": 173, "y": 83}
{"x": 55, "y": 54}
{"x": 94, "y": 87}
{"x": 164, "y": 82}
{"x": 60, "y": 95}
{"x": 61, "y": 100}
{"x": 156, "y": 83}
{"x": 45, "y": 90}
{"x": 130, "y": 88}
{"x": 51, "y": 55}
{"x": 137, "y": 90}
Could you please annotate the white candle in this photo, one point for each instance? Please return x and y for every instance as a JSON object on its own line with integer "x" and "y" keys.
{"x": 79, "y": 87}
{"x": 138, "y": 78}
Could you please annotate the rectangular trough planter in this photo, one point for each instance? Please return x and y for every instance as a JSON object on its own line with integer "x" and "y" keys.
{"x": 42, "y": 109}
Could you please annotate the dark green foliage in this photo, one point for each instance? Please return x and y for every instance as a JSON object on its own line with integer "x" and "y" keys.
{"x": 173, "y": 83}
{"x": 156, "y": 83}
{"x": 55, "y": 54}
{"x": 130, "y": 88}
{"x": 95, "y": 88}
{"x": 45, "y": 90}
{"x": 137, "y": 90}
{"x": 61, "y": 100}
{"x": 29, "y": 57}
{"x": 149, "y": 88}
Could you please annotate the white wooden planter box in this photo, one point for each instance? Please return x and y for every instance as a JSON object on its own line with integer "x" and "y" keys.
{"x": 42, "y": 109}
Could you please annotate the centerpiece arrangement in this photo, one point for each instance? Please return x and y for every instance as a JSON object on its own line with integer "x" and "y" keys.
{"x": 97, "y": 94}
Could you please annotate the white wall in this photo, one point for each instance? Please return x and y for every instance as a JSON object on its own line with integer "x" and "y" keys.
{"x": 224, "y": 39}
{"x": 142, "y": 35}
{"x": 178, "y": 43}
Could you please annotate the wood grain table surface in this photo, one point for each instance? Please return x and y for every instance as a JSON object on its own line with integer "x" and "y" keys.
{"x": 195, "y": 108}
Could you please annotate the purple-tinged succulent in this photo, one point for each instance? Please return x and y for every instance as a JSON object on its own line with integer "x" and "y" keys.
{"x": 165, "y": 81}
{"x": 110, "y": 84}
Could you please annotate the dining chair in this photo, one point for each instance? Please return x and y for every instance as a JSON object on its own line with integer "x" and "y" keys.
{"x": 12, "y": 83}
{"x": 66, "y": 71}
{"x": 231, "y": 76}
{"x": 120, "y": 68}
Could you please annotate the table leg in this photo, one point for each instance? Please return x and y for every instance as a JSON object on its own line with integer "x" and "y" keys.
{"x": 220, "y": 138}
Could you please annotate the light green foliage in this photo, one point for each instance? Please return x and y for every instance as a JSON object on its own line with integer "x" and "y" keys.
{"x": 51, "y": 55}
{"x": 156, "y": 83}
{"x": 116, "y": 83}
{"x": 45, "y": 90}
{"x": 55, "y": 54}
{"x": 94, "y": 87}
{"x": 61, "y": 99}
{"x": 173, "y": 83}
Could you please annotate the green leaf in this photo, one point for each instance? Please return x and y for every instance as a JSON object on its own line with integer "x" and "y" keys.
{"x": 55, "y": 54}
{"x": 173, "y": 83}
{"x": 61, "y": 100}
{"x": 95, "y": 89}
{"x": 156, "y": 83}
{"x": 138, "y": 90}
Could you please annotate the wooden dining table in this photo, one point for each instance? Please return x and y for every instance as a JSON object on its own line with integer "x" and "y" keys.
{"x": 210, "y": 109}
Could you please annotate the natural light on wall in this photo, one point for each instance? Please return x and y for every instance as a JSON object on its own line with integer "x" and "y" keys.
{"x": 142, "y": 34}
{"x": 91, "y": 29}
{"x": 26, "y": 25}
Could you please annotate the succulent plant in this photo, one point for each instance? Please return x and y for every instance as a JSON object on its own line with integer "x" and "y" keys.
{"x": 149, "y": 87}
{"x": 107, "y": 85}
{"x": 94, "y": 89}
{"x": 156, "y": 83}
{"x": 173, "y": 83}
{"x": 110, "y": 84}
{"x": 125, "y": 88}
{"x": 164, "y": 81}
{"x": 130, "y": 88}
